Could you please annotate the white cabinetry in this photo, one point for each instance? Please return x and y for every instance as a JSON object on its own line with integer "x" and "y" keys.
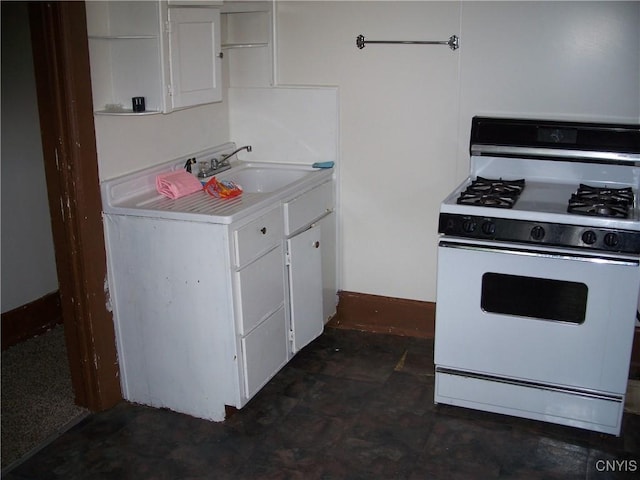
{"x": 194, "y": 57}
{"x": 200, "y": 309}
{"x": 311, "y": 279}
{"x": 169, "y": 54}
{"x": 207, "y": 313}
{"x": 247, "y": 42}
{"x": 305, "y": 287}
{"x": 259, "y": 299}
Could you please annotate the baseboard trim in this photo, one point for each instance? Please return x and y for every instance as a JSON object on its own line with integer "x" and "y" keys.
{"x": 31, "y": 319}
{"x": 379, "y": 314}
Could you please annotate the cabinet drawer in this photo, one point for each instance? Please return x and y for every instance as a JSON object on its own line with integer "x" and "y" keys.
{"x": 260, "y": 289}
{"x": 264, "y": 352}
{"x": 257, "y": 237}
{"x": 308, "y": 207}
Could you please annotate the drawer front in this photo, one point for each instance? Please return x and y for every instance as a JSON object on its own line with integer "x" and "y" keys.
{"x": 258, "y": 237}
{"x": 260, "y": 289}
{"x": 308, "y": 207}
{"x": 264, "y": 353}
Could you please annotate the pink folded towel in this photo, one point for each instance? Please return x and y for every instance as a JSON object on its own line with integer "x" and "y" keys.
{"x": 177, "y": 184}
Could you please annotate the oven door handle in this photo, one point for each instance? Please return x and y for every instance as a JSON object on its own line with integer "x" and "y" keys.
{"x": 634, "y": 262}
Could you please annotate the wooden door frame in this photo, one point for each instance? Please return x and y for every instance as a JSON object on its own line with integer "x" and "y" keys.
{"x": 63, "y": 83}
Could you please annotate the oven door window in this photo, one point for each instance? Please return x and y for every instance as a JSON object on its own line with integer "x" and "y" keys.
{"x": 532, "y": 297}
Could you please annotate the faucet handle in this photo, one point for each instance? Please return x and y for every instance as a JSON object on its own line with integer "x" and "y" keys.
{"x": 202, "y": 169}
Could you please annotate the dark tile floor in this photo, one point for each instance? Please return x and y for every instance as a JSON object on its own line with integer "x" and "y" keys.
{"x": 352, "y": 405}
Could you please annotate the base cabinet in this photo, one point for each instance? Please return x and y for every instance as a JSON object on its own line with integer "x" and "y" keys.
{"x": 197, "y": 332}
{"x": 173, "y": 314}
{"x": 310, "y": 230}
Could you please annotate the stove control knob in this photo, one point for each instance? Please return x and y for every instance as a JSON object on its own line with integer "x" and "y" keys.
{"x": 469, "y": 226}
{"x": 537, "y": 232}
{"x": 611, "y": 240}
{"x": 488, "y": 227}
{"x": 589, "y": 237}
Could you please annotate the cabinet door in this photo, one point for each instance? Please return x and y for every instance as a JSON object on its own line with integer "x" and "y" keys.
{"x": 305, "y": 287}
{"x": 194, "y": 56}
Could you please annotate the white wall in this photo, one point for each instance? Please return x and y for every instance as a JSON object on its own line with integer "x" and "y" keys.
{"x": 28, "y": 261}
{"x": 405, "y": 110}
{"x": 286, "y": 125}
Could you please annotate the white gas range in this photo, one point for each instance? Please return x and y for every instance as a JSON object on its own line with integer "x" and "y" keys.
{"x": 539, "y": 272}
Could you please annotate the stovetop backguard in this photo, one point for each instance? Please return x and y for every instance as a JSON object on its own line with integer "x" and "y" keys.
{"x": 580, "y": 141}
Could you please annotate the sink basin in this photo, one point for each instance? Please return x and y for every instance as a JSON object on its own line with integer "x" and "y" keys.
{"x": 266, "y": 178}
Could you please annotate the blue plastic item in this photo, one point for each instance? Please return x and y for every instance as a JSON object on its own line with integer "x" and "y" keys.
{"x": 323, "y": 165}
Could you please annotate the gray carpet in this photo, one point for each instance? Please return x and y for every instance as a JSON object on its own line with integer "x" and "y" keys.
{"x": 37, "y": 396}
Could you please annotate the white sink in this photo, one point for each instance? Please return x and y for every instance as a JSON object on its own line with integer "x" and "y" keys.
{"x": 263, "y": 184}
{"x": 266, "y": 178}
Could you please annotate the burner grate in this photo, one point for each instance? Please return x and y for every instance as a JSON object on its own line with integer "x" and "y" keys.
{"x": 601, "y": 201}
{"x": 487, "y": 192}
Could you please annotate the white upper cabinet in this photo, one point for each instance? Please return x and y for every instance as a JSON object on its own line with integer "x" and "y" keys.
{"x": 247, "y": 42}
{"x": 167, "y": 53}
{"x": 195, "y": 57}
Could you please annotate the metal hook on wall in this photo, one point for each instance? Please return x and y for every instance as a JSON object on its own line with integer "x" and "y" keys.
{"x": 453, "y": 42}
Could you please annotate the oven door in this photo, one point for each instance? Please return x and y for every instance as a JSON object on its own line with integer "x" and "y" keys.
{"x": 540, "y": 315}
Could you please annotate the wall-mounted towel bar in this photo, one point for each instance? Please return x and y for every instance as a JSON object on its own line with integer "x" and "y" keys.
{"x": 453, "y": 42}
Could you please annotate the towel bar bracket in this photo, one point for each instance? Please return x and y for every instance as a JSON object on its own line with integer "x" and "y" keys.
{"x": 453, "y": 42}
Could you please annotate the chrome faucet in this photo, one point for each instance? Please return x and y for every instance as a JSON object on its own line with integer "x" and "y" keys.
{"x": 226, "y": 157}
{"x": 218, "y": 165}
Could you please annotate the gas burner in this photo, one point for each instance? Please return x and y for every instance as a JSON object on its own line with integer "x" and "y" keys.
{"x": 606, "y": 194}
{"x": 601, "y": 201}
{"x": 492, "y": 193}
